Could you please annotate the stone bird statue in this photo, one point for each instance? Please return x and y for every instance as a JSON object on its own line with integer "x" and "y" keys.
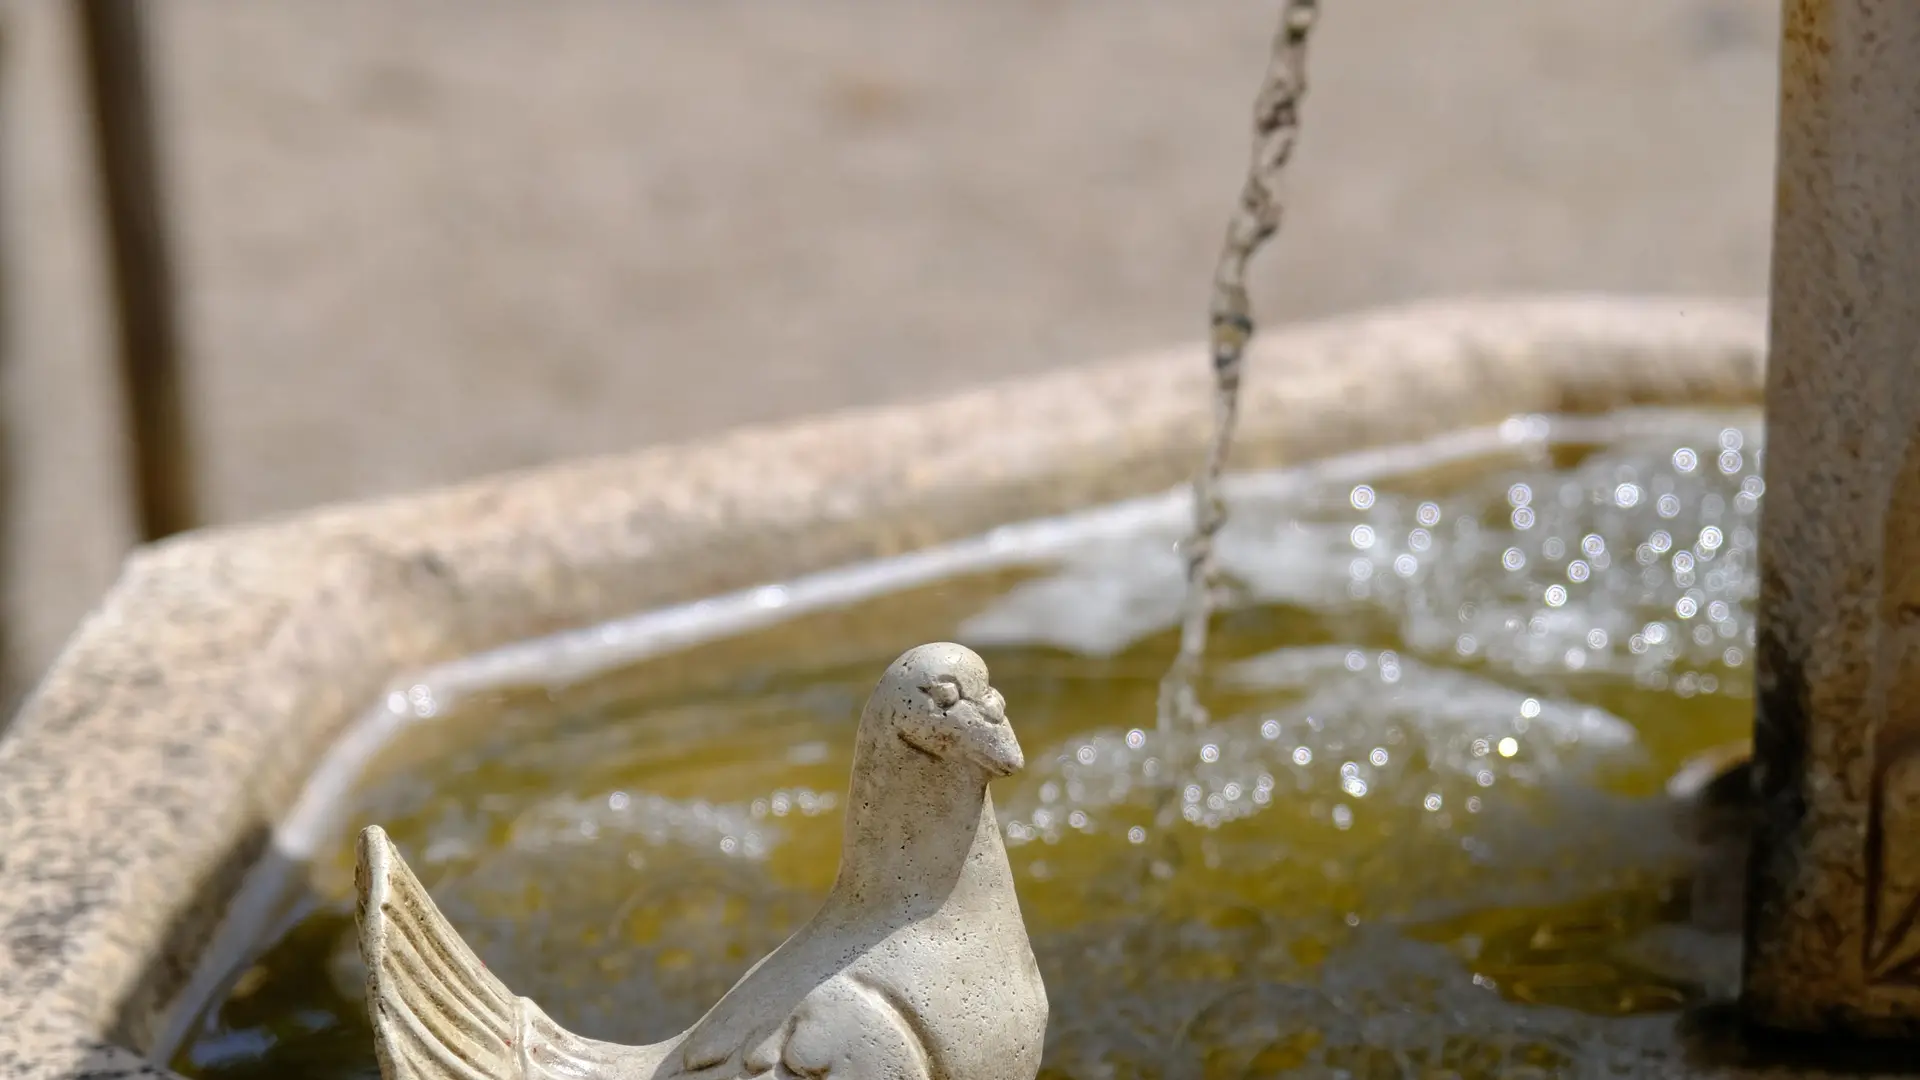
{"x": 917, "y": 966}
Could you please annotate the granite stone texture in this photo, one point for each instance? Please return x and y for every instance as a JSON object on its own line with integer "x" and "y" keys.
{"x": 146, "y": 772}
{"x": 1833, "y": 945}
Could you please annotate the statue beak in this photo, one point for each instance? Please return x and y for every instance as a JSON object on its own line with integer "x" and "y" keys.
{"x": 997, "y": 751}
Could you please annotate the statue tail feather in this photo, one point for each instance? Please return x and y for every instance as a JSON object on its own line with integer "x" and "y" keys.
{"x": 437, "y": 1012}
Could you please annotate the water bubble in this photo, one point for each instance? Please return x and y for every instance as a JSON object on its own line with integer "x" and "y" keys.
{"x": 1730, "y": 462}
{"x": 1513, "y": 558}
{"x": 1302, "y": 756}
{"x": 1523, "y": 517}
{"x": 1362, "y": 536}
{"x": 1731, "y": 439}
{"x": 1596, "y": 638}
{"x": 1405, "y": 565}
{"x": 1509, "y": 746}
{"x": 421, "y": 697}
{"x": 1753, "y": 485}
{"x": 1685, "y": 607}
{"x": 1432, "y": 802}
{"x": 1389, "y": 668}
{"x": 1360, "y": 569}
{"x": 1733, "y": 657}
{"x": 1685, "y": 460}
{"x": 1710, "y": 539}
{"x": 1626, "y": 496}
{"x": 1519, "y": 495}
{"x": 1484, "y": 778}
{"x": 1553, "y": 547}
{"x": 1379, "y": 756}
{"x": 1481, "y": 747}
{"x": 1428, "y": 514}
{"x": 618, "y": 801}
{"x": 1269, "y": 729}
{"x": 1342, "y": 817}
{"x": 1556, "y": 595}
{"x": 1361, "y": 497}
{"x": 1077, "y": 819}
{"x": 1465, "y": 645}
{"x": 1084, "y": 755}
{"x": 1660, "y": 541}
{"x": 1667, "y": 506}
{"x": 1210, "y": 753}
{"x": 1578, "y": 570}
{"x": 1138, "y": 738}
{"x": 1593, "y": 544}
{"x": 1530, "y": 708}
{"x": 1682, "y": 561}
{"x": 1419, "y": 540}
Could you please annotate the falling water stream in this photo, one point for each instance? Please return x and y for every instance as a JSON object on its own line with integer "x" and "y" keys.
{"x": 1255, "y": 218}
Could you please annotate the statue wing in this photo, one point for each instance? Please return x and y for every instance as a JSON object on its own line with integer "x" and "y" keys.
{"x": 857, "y": 1028}
{"x": 437, "y": 1012}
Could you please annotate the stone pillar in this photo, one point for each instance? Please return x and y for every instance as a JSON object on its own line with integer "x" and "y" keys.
{"x": 1833, "y": 923}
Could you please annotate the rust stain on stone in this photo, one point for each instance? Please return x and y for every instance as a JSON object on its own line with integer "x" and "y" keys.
{"x": 1892, "y": 863}
{"x": 1806, "y": 49}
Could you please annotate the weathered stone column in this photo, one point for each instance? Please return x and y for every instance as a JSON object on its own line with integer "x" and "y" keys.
{"x": 1833, "y": 938}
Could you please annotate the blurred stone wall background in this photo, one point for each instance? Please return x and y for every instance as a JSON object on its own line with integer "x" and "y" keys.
{"x": 421, "y": 241}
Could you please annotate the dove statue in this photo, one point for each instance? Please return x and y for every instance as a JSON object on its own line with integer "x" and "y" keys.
{"x": 916, "y": 967}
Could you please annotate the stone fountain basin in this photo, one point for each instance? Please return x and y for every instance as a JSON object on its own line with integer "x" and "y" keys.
{"x": 145, "y": 778}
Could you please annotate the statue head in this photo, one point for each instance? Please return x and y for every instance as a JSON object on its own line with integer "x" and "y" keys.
{"x": 935, "y": 699}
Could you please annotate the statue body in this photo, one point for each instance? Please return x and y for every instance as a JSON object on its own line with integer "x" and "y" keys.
{"x": 916, "y": 967}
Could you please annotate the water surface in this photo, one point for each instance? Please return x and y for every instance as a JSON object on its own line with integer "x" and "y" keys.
{"x": 1425, "y": 833}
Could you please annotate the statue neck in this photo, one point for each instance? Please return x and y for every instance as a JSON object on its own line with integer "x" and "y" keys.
{"x": 919, "y": 831}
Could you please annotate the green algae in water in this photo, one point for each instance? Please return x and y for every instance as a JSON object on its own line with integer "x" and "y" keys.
{"x": 1425, "y": 835}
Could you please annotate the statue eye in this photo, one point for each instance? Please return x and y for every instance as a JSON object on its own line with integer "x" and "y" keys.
{"x": 944, "y": 693}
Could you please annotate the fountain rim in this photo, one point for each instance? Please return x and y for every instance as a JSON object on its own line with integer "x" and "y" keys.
{"x": 141, "y": 781}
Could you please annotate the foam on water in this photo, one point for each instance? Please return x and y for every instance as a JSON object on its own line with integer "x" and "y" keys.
{"x": 1639, "y": 560}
